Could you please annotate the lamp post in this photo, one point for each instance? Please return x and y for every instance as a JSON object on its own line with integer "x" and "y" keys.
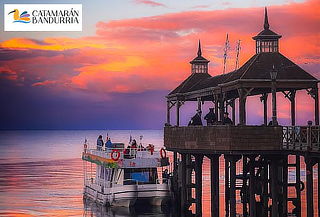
{"x": 273, "y": 75}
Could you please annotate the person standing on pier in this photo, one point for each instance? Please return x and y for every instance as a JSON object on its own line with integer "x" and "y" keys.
{"x": 226, "y": 119}
{"x": 210, "y": 117}
{"x": 196, "y": 119}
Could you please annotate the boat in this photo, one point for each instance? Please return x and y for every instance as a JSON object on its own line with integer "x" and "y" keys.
{"x": 120, "y": 176}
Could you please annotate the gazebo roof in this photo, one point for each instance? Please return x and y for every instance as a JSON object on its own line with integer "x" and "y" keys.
{"x": 192, "y": 82}
{"x": 260, "y": 65}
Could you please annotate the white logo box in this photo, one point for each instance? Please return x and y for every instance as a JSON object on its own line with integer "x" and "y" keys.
{"x": 43, "y": 17}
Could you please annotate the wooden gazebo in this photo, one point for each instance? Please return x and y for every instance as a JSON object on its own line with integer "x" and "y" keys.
{"x": 267, "y": 70}
{"x": 264, "y": 74}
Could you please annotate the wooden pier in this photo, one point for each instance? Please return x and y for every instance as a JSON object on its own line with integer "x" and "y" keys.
{"x": 263, "y": 182}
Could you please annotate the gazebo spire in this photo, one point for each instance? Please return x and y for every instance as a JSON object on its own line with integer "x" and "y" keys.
{"x": 199, "y": 49}
{"x": 266, "y": 22}
{"x": 267, "y": 41}
{"x": 199, "y": 64}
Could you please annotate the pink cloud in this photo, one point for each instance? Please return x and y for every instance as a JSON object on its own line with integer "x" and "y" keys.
{"x": 149, "y": 2}
{"x": 153, "y": 53}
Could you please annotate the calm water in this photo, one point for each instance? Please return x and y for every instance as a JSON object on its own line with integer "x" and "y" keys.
{"x": 41, "y": 174}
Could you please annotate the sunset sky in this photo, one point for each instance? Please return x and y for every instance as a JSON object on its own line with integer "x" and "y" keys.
{"x": 131, "y": 53}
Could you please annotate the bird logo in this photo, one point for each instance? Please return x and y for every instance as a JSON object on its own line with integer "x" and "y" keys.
{"x": 22, "y": 18}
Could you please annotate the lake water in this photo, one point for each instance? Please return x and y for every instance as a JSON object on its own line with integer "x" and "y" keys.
{"x": 41, "y": 174}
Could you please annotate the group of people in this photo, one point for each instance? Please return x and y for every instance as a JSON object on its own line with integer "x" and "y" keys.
{"x": 210, "y": 118}
{"x": 100, "y": 143}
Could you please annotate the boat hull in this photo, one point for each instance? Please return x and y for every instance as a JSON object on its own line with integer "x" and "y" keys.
{"x": 125, "y": 196}
{"x": 129, "y": 195}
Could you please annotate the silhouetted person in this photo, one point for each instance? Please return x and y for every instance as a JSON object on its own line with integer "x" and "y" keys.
{"x": 99, "y": 143}
{"x": 195, "y": 120}
{"x": 108, "y": 143}
{"x": 134, "y": 144}
{"x": 165, "y": 176}
{"x": 226, "y": 119}
{"x": 210, "y": 117}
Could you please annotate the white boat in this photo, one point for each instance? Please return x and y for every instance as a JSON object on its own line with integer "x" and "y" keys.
{"x": 119, "y": 176}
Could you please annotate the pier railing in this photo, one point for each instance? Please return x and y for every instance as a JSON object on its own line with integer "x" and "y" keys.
{"x": 221, "y": 138}
{"x": 301, "y": 138}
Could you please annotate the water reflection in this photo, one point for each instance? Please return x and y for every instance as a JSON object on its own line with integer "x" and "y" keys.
{"x": 93, "y": 209}
{"x": 41, "y": 174}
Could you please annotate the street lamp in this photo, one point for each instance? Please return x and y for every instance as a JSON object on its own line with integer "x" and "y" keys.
{"x": 273, "y": 75}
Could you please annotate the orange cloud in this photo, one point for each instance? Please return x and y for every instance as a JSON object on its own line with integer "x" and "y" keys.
{"x": 152, "y": 53}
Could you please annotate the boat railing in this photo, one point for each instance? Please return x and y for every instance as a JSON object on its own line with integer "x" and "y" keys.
{"x": 126, "y": 153}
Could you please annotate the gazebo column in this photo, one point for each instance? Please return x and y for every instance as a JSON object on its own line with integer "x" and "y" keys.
{"x": 243, "y": 93}
{"x": 199, "y": 105}
{"x": 168, "y": 111}
{"x": 233, "y": 105}
{"x": 216, "y": 106}
{"x": 264, "y": 99}
{"x": 293, "y": 107}
{"x": 178, "y": 104}
{"x": 316, "y": 105}
{"x": 291, "y": 96}
{"x": 221, "y": 106}
{"x": 315, "y": 95}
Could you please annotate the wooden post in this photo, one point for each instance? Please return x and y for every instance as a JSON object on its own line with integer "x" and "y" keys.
{"x": 316, "y": 106}
{"x": 233, "y": 187}
{"x": 189, "y": 177}
{"x": 175, "y": 160}
{"x": 309, "y": 174}
{"x": 221, "y": 108}
{"x": 216, "y": 106}
{"x": 244, "y": 186}
{"x": 293, "y": 107}
{"x": 199, "y": 105}
{"x": 233, "y": 105}
{"x": 252, "y": 201}
{"x": 265, "y": 193}
{"x": 226, "y": 185}
{"x": 265, "y": 110}
{"x": 264, "y": 99}
{"x": 183, "y": 184}
{"x": 168, "y": 112}
{"x": 297, "y": 187}
{"x": 242, "y": 107}
{"x": 214, "y": 167}
{"x": 274, "y": 103}
{"x": 285, "y": 185}
{"x": 198, "y": 169}
{"x": 178, "y": 112}
{"x": 274, "y": 187}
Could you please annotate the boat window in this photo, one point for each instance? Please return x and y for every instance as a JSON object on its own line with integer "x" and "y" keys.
{"x": 141, "y": 175}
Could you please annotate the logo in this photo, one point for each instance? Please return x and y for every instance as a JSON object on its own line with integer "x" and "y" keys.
{"x": 43, "y": 17}
{"x": 22, "y": 18}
